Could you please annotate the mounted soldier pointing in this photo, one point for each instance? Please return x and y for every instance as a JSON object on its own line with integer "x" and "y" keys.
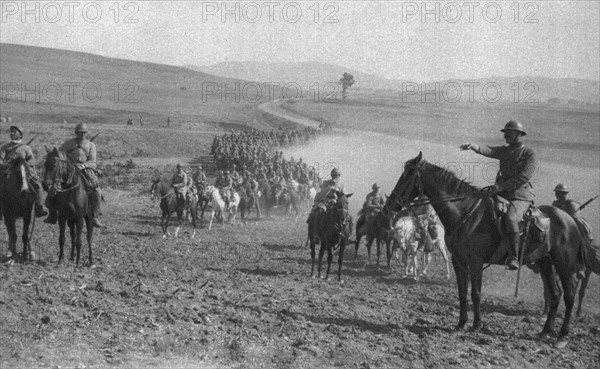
{"x": 16, "y": 149}
{"x": 517, "y": 166}
{"x": 82, "y": 152}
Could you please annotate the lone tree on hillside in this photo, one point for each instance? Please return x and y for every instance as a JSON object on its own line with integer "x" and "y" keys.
{"x": 347, "y": 80}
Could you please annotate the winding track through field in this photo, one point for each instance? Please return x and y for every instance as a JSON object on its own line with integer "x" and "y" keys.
{"x": 274, "y": 108}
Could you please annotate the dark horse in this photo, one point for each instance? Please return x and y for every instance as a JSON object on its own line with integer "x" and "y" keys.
{"x": 17, "y": 202}
{"x": 331, "y": 228}
{"x": 474, "y": 237}
{"x": 378, "y": 229}
{"x": 248, "y": 201}
{"x": 65, "y": 181}
{"x": 170, "y": 203}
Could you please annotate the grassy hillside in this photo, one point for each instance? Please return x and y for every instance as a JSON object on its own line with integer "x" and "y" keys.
{"x": 40, "y": 84}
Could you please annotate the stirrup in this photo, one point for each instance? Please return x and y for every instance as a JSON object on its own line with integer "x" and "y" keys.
{"x": 509, "y": 263}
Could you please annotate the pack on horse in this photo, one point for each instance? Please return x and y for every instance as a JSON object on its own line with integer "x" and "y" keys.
{"x": 16, "y": 201}
{"x": 73, "y": 199}
{"x": 554, "y": 243}
{"x": 331, "y": 229}
{"x": 170, "y": 203}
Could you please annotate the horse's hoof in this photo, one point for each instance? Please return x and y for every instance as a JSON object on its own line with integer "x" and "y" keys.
{"x": 561, "y": 343}
{"x": 543, "y": 336}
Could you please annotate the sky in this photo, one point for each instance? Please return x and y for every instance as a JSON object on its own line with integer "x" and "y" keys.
{"x": 419, "y": 41}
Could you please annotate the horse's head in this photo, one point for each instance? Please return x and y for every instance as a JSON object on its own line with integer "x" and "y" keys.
{"x": 54, "y": 170}
{"x": 409, "y": 185}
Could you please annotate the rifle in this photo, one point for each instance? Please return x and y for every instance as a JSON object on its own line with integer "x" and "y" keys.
{"x": 33, "y": 138}
{"x": 587, "y": 202}
{"x": 93, "y": 138}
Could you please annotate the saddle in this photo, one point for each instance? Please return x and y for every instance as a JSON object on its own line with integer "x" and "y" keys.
{"x": 539, "y": 227}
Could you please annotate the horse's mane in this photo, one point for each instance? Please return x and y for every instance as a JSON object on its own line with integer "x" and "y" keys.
{"x": 13, "y": 165}
{"x": 448, "y": 179}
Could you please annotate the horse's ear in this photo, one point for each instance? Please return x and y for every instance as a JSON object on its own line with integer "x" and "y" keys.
{"x": 48, "y": 151}
{"x": 419, "y": 157}
{"x": 349, "y": 195}
{"x": 55, "y": 150}
{"x": 386, "y": 197}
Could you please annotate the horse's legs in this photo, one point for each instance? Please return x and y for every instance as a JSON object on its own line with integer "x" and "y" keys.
{"x": 369, "y": 245}
{"x": 322, "y": 246}
{"x": 569, "y": 283}
{"x": 72, "y": 232}
{"x": 426, "y": 262}
{"x": 61, "y": 239}
{"x": 549, "y": 278}
{"x": 164, "y": 223}
{"x": 341, "y": 259}
{"x": 357, "y": 244}
{"x": 11, "y": 229}
{"x": 582, "y": 288}
{"x": 378, "y": 242}
{"x": 89, "y": 224}
{"x": 194, "y": 212}
{"x": 460, "y": 270}
{"x": 312, "y": 256}
{"x": 388, "y": 252}
{"x": 444, "y": 251}
{"x": 79, "y": 231}
{"x": 476, "y": 278}
{"x": 212, "y": 216}
{"x": 179, "y": 222}
{"x": 25, "y": 236}
{"x": 329, "y": 259}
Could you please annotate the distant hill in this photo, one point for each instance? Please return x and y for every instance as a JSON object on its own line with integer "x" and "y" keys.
{"x": 305, "y": 74}
{"x": 51, "y": 81}
{"x": 578, "y": 91}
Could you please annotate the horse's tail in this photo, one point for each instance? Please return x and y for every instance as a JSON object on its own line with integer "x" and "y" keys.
{"x": 591, "y": 256}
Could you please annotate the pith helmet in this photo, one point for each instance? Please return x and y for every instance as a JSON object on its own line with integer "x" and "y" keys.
{"x": 561, "y": 188}
{"x": 375, "y": 186}
{"x": 335, "y": 172}
{"x": 17, "y": 129}
{"x": 81, "y": 127}
{"x": 514, "y": 125}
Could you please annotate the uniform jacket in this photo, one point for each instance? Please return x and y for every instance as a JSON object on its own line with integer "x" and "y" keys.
{"x": 179, "y": 180}
{"x": 328, "y": 189}
{"x": 13, "y": 150}
{"x": 83, "y": 153}
{"x": 517, "y": 166}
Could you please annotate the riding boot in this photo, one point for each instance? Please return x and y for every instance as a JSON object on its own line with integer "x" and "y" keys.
{"x": 513, "y": 250}
{"x": 96, "y": 209}
{"x": 53, "y": 212}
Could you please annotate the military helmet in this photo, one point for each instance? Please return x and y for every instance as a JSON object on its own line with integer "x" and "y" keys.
{"x": 179, "y": 165}
{"x": 335, "y": 172}
{"x": 227, "y": 172}
{"x": 375, "y": 186}
{"x": 514, "y": 125}
{"x": 81, "y": 127}
{"x": 561, "y": 188}
{"x": 17, "y": 129}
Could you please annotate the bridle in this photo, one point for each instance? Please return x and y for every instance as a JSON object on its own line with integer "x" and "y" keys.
{"x": 59, "y": 181}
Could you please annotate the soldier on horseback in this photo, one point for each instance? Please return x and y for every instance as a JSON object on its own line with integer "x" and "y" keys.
{"x": 16, "y": 149}
{"x": 517, "y": 166}
{"x": 373, "y": 203}
{"x": 179, "y": 183}
{"x": 82, "y": 152}
{"x": 572, "y": 208}
{"x": 227, "y": 188}
{"x": 327, "y": 195}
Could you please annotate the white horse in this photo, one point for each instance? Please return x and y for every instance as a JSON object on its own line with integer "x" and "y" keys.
{"x": 411, "y": 237}
{"x": 217, "y": 205}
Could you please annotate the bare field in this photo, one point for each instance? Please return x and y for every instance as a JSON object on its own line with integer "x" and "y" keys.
{"x": 240, "y": 297}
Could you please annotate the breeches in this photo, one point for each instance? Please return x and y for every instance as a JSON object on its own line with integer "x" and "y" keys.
{"x": 515, "y": 214}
